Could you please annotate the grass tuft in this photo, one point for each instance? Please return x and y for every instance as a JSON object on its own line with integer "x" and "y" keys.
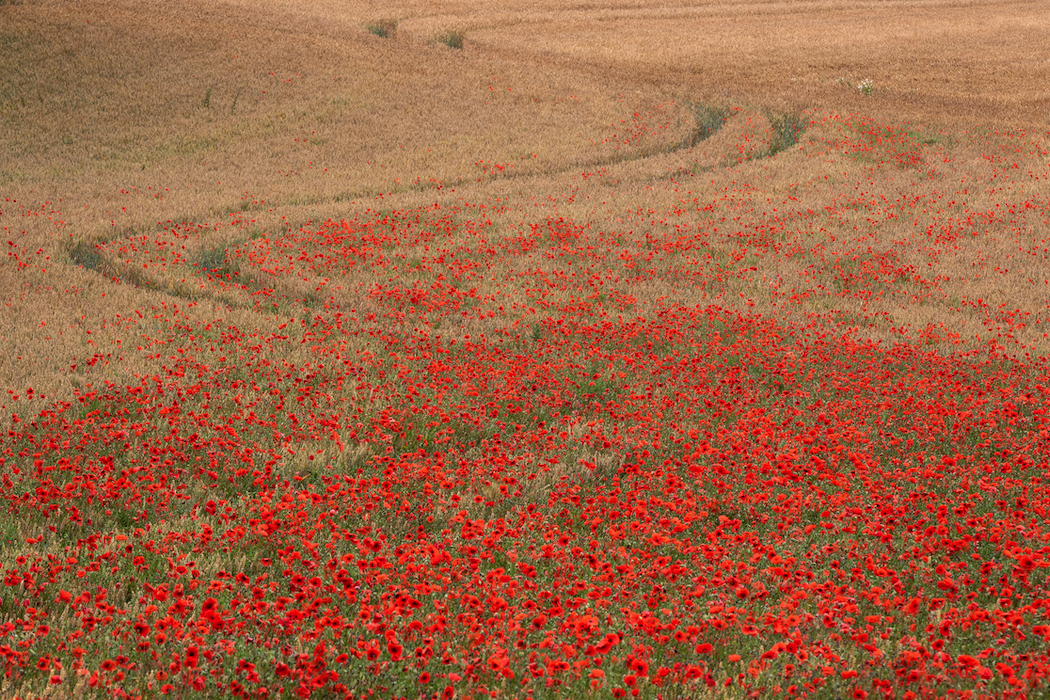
{"x": 709, "y": 119}
{"x": 385, "y": 28}
{"x": 787, "y": 130}
{"x": 86, "y": 255}
{"x": 214, "y": 262}
{"x": 453, "y": 38}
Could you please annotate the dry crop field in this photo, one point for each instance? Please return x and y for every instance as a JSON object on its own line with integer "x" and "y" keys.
{"x": 444, "y": 349}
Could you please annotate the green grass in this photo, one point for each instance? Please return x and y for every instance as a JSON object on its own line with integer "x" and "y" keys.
{"x": 708, "y": 120}
{"x": 86, "y": 255}
{"x": 452, "y": 38}
{"x": 787, "y": 130}
{"x": 385, "y": 28}
{"x": 213, "y": 261}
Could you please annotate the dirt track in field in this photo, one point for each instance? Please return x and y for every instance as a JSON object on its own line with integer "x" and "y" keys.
{"x": 119, "y": 115}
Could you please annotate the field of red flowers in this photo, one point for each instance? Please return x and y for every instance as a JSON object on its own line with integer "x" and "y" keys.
{"x": 451, "y": 450}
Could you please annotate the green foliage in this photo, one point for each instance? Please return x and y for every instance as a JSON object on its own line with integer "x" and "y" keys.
{"x": 214, "y": 262}
{"x": 787, "y": 130}
{"x": 453, "y": 38}
{"x": 708, "y": 120}
{"x": 385, "y": 28}
{"x": 86, "y": 255}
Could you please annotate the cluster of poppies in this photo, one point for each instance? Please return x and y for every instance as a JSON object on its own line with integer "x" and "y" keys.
{"x": 446, "y": 456}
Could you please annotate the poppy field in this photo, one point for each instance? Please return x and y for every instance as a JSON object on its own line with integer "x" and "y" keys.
{"x": 741, "y": 402}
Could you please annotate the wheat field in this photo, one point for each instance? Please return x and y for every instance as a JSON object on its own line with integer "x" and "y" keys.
{"x": 121, "y": 115}
{"x": 394, "y": 203}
